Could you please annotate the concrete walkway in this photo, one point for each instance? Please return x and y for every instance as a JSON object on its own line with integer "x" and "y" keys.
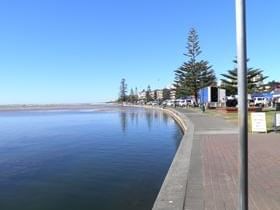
{"x": 213, "y": 172}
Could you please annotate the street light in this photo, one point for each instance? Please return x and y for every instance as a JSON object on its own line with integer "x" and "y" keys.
{"x": 242, "y": 100}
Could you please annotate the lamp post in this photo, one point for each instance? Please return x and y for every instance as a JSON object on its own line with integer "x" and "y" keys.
{"x": 242, "y": 101}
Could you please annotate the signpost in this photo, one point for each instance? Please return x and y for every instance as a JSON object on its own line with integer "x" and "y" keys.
{"x": 258, "y": 120}
{"x": 277, "y": 119}
{"x": 276, "y": 122}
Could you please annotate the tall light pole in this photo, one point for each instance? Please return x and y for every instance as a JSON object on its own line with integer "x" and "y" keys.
{"x": 242, "y": 100}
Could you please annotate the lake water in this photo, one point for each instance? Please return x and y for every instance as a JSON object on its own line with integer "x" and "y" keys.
{"x": 114, "y": 159}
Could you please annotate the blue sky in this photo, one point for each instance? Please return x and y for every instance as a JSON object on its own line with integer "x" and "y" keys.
{"x": 66, "y": 51}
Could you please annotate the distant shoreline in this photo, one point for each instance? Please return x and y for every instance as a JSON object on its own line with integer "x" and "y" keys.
{"x": 42, "y": 107}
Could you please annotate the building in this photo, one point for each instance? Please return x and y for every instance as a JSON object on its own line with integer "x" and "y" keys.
{"x": 172, "y": 94}
{"x": 269, "y": 87}
{"x": 152, "y": 94}
{"x": 142, "y": 95}
{"x": 159, "y": 95}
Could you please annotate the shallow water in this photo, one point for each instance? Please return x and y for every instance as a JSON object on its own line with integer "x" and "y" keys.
{"x": 84, "y": 159}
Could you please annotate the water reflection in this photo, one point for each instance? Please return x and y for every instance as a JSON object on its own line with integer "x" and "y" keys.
{"x": 165, "y": 118}
{"x": 177, "y": 137}
{"x": 130, "y": 117}
{"x": 105, "y": 160}
{"x": 155, "y": 115}
{"x": 123, "y": 119}
{"x": 149, "y": 119}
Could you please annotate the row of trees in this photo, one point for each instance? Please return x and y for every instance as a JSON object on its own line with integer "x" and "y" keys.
{"x": 133, "y": 97}
{"x": 195, "y": 74}
{"x": 123, "y": 95}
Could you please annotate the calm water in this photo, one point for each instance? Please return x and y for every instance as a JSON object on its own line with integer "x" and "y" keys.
{"x": 84, "y": 160}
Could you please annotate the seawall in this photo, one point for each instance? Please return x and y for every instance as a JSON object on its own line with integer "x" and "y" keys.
{"x": 173, "y": 190}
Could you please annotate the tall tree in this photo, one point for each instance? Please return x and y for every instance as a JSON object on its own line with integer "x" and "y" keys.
{"x": 254, "y": 79}
{"x": 131, "y": 97}
{"x": 155, "y": 95}
{"x": 148, "y": 94}
{"x": 165, "y": 94}
{"x": 136, "y": 91}
{"x": 181, "y": 90}
{"x": 123, "y": 91}
{"x": 136, "y": 94}
{"x": 193, "y": 74}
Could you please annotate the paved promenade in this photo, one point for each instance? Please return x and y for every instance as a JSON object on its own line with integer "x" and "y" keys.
{"x": 213, "y": 171}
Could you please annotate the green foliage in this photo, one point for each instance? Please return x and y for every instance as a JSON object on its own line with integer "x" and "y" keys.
{"x": 123, "y": 91}
{"x": 165, "y": 94}
{"x": 136, "y": 94}
{"x": 230, "y": 90}
{"x": 254, "y": 79}
{"x": 155, "y": 95}
{"x": 131, "y": 97}
{"x": 193, "y": 75}
{"x": 193, "y": 48}
{"x": 148, "y": 94}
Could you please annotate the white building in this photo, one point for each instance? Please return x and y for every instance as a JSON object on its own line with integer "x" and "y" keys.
{"x": 142, "y": 95}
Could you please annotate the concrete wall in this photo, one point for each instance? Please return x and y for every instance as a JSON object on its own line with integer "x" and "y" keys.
{"x": 173, "y": 190}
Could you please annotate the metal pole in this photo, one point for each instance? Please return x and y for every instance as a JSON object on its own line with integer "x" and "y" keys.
{"x": 242, "y": 100}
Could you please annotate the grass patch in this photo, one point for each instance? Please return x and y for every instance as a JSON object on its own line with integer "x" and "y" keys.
{"x": 233, "y": 117}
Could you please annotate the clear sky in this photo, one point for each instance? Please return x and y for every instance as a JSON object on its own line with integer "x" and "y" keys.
{"x": 67, "y": 51}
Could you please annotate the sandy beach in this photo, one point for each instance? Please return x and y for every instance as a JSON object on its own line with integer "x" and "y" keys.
{"x": 42, "y": 107}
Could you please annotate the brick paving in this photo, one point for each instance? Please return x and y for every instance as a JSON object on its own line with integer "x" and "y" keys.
{"x": 213, "y": 181}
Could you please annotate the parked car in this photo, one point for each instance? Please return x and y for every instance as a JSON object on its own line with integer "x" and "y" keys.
{"x": 251, "y": 102}
{"x": 190, "y": 102}
{"x": 178, "y": 102}
{"x": 170, "y": 103}
{"x": 181, "y": 102}
{"x": 260, "y": 101}
{"x": 231, "y": 101}
{"x": 153, "y": 103}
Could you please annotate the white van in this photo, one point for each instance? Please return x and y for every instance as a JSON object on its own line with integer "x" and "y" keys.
{"x": 260, "y": 101}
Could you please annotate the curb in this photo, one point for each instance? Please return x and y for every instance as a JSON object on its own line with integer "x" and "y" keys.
{"x": 173, "y": 190}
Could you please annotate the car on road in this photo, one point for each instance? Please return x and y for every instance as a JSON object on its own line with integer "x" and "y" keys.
{"x": 260, "y": 101}
{"x": 169, "y": 103}
{"x": 251, "y": 102}
{"x": 181, "y": 102}
{"x": 153, "y": 103}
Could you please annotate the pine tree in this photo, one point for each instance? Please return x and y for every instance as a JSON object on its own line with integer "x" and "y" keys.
{"x": 123, "y": 91}
{"x": 254, "y": 79}
{"x": 181, "y": 90}
{"x": 148, "y": 94}
{"x": 136, "y": 94}
{"x": 155, "y": 95}
{"x": 165, "y": 94}
{"x": 193, "y": 74}
{"x": 131, "y": 97}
